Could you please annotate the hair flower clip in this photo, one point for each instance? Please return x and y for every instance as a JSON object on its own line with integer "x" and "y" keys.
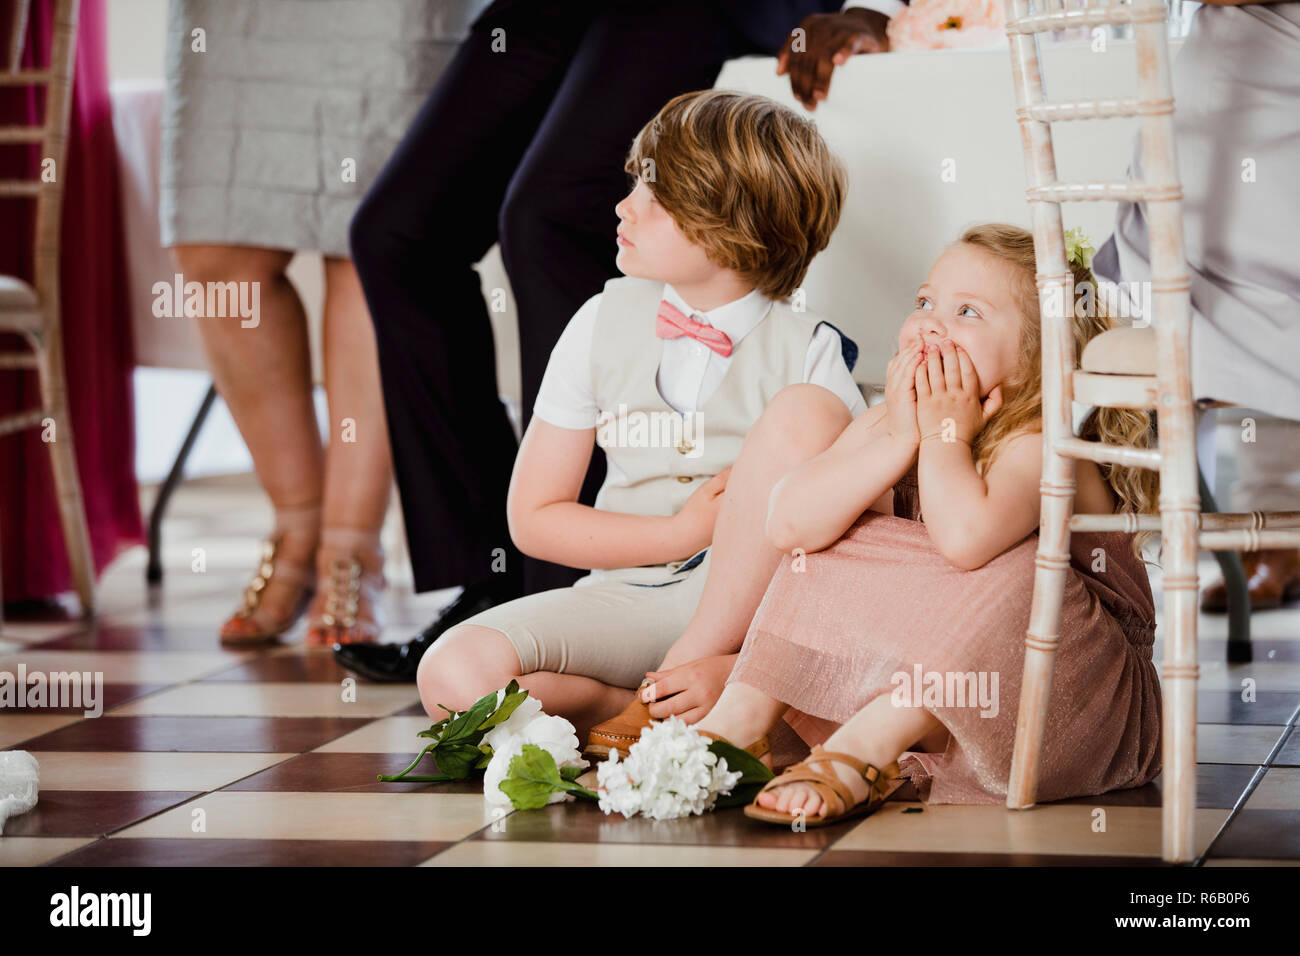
{"x": 1078, "y": 248}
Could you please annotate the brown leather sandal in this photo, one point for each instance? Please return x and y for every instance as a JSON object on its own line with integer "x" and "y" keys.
{"x": 349, "y": 589}
{"x": 252, "y": 623}
{"x": 816, "y": 771}
{"x": 758, "y": 749}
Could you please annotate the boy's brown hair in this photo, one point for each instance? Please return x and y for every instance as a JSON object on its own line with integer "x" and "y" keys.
{"x": 745, "y": 178}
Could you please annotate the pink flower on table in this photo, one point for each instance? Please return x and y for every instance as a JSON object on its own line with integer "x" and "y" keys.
{"x": 948, "y": 24}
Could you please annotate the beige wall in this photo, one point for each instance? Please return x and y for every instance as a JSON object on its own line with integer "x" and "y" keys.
{"x": 135, "y": 39}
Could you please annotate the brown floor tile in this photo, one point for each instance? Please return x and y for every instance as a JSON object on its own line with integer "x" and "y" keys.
{"x": 583, "y": 822}
{"x": 1227, "y": 707}
{"x": 118, "y": 637}
{"x": 199, "y": 734}
{"x": 1261, "y": 834}
{"x": 898, "y": 858}
{"x": 306, "y": 667}
{"x": 164, "y": 852}
{"x": 351, "y": 773}
{"x": 114, "y": 695}
{"x": 1218, "y": 785}
{"x": 71, "y": 813}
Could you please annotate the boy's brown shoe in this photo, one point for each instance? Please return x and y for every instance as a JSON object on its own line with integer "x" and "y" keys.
{"x": 618, "y": 733}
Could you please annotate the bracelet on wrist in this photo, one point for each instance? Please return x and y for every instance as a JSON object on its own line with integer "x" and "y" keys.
{"x": 939, "y": 434}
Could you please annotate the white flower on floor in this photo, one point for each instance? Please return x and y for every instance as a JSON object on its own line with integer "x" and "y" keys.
{"x": 555, "y": 735}
{"x": 20, "y": 776}
{"x": 669, "y": 773}
{"x": 513, "y": 725}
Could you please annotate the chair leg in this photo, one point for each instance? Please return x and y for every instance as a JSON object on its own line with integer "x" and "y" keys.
{"x": 67, "y": 484}
{"x": 1179, "y": 520}
{"x": 154, "y": 571}
{"x": 1050, "y": 567}
{"x": 72, "y": 513}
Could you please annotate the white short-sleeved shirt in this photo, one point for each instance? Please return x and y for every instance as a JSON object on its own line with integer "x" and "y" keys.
{"x": 689, "y": 371}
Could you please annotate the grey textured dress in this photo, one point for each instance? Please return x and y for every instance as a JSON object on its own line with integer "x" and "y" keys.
{"x": 272, "y": 134}
{"x": 1237, "y": 121}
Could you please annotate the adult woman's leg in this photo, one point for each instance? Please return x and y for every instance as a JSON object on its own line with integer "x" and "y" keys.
{"x": 358, "y": 468}
{"x": 263, "y": 373}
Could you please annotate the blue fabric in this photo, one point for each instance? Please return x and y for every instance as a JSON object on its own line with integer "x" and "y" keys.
{"x": 848, "y": 347}
{"x": 692, "y": 562}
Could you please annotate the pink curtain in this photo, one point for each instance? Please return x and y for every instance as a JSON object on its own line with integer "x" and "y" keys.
{"x": 96, "y": 329}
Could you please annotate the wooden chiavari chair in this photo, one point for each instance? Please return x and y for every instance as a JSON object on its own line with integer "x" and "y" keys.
{"x": 1126, "y": 367}
{"x": 33, "y": 310}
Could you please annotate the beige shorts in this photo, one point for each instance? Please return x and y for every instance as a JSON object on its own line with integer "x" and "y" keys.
{"x": 611, "y": 625}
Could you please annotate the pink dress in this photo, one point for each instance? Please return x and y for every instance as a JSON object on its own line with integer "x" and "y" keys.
{"x": 882, "y": 607}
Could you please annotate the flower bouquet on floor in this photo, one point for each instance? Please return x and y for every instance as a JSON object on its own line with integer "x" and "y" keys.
{"x": 530, "y": 759}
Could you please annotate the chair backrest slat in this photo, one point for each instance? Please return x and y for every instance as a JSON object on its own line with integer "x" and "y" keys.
{"x": 17, "y": 30}
{"x": 50, "y": 137}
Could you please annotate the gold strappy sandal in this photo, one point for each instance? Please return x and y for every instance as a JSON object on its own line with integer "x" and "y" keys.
{"x": 348, "y": 599}
{"x": 816, "y": 771}
{"x": 252, "y": 624}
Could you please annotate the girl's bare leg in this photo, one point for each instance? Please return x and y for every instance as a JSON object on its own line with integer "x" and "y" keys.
{"x": 800, "y": 423}
{"x": 878, "y": 734}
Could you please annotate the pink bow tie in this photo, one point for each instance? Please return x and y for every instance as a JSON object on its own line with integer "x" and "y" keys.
{"x": 670, "y": 323}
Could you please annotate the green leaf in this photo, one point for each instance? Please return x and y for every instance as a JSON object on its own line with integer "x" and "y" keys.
{"x": 456, "y": 760}
{"x": 483, "y": 761}
{"x": 436, "y": 730}
{"x": 463, "y": 729}
{"x": 753, "y": 774}
{"x": 532, "y": 778}
{"x": 509, "y": 704}
{"x": 751, "y": 768}
{"x": 571, "y": 773}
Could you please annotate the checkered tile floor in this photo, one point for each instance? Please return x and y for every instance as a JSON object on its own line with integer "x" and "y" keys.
{"x": 211, "y": 757}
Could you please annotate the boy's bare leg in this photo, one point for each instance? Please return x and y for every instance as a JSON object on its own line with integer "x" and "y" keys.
{"x": 801, "y": 422}
{"x": 469, "y": 661}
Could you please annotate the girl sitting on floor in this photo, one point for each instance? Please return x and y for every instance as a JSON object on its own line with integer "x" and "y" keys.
{"x": 910, "y": 549}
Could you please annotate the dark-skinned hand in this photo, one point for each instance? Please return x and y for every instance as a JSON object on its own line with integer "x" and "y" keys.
{"x": 829, "y": 39}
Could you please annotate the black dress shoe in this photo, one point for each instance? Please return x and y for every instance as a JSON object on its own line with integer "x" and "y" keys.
{"x": 397, "y": 663}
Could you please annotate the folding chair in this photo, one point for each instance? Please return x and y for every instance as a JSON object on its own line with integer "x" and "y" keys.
{"x": 1126, "y": 367}
{"x": 33, "y": 311}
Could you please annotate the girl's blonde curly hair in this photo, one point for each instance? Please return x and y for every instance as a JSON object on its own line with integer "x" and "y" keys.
{"x": 1136, "y": 488}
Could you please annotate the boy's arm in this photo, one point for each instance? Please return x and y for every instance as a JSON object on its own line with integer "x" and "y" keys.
{"x": 812, "y": 506}
{"x": 972, "y": 520}
{"x": 547, "y": 522}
